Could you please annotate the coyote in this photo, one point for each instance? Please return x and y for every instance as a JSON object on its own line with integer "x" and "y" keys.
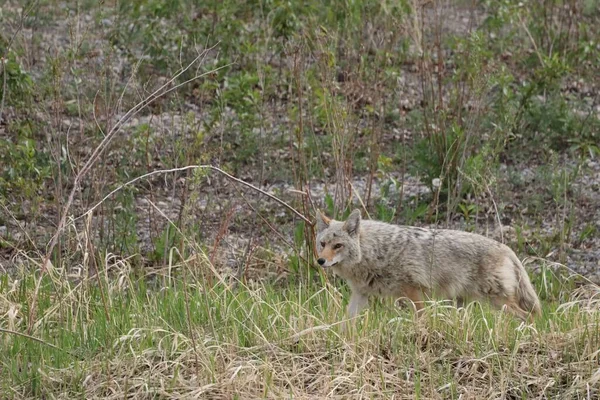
{"x": 381, "y": 259}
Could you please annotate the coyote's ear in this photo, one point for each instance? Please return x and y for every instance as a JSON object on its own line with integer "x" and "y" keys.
{"x": 322, "y": 221}
{"x": 352, "y": 223}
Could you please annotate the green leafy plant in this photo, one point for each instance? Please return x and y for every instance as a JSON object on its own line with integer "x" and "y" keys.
{"x": 15, "y": 84}
{"x": 23, "y": 169}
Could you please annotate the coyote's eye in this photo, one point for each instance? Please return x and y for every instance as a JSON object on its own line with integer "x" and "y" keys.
{"x": 323, "y": 244}
{"x": 338, "y": 246}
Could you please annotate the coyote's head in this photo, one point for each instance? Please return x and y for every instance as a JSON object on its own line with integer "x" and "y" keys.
{"x": 338, "y": 241}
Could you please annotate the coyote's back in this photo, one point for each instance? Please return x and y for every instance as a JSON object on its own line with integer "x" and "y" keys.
{"x": 381, "y": 259}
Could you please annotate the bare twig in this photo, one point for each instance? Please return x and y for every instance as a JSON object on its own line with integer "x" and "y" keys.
{"x": 11, "y": 332}
{"x": 233, "y": 178}
{"x": 359, "y": 198}
{"x": 3, "y": 62}
{"x": 222, "y": 230}
{"x": 533, "y": 43}
{"x": 189, "y": 322}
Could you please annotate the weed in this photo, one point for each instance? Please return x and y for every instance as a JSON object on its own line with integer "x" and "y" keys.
{"x": 16, "y": 86}
{"x": 24, "y": 169}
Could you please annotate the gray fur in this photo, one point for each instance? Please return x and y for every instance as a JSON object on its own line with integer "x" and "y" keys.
{"x": 390, "y": 260}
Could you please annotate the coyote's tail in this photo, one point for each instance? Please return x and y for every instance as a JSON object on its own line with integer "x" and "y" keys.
{"x": 526, "y": 296}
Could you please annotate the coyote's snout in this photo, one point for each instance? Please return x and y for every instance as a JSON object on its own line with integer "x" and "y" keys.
{"x": 381, "y": 259}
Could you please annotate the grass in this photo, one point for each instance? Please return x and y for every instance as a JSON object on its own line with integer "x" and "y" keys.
{"x": 166, "y": 333}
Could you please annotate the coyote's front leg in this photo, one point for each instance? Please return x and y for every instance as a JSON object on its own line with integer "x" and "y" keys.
{"x": 358, "y": 302}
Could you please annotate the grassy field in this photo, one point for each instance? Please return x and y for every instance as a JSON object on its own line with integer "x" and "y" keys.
{"x": 175, "y": 336}
{"x": 161, "y": 162}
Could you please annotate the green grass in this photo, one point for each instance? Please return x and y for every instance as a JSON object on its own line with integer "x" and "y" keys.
{"x": 172, "y": 335}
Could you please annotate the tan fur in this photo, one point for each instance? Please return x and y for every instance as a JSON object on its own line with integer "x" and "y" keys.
{"x": 327, "y": 253}
{"x": 324, "y": 218}
{"x": 381, "y": 259}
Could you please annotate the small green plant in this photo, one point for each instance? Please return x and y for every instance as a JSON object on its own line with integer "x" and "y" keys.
{"x": 411, "y": 213}
{"x": 23, "y": 169}
{"x": 467, "y": 209}
{"x": 384, "y": 211}
{"x": 123, "y": 237}
{"x": 163, "y": 246}
{"x": 589, "y": 231}
{"x": 15, "y": 84}
{"x": 439, "y": 158}
{"x": 452, "y": 146}
{"x": 299, "y": 240}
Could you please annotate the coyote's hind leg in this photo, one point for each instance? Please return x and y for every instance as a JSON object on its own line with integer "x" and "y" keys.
{"x": 416, "y": 296}
{"x": 512, "y": 307}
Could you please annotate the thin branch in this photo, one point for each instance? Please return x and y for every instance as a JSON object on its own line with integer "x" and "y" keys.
{"x": 11, "y": 332}
{"x": 283, "y": 203}
{"x": 535, "y": 47}
{"x": 3, "y": 61}
{"x": 358, "y": 197}
{"x": 233, "y": 178}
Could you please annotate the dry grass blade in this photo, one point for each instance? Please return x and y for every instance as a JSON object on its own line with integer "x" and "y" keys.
{"x": 35, "y": 339}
